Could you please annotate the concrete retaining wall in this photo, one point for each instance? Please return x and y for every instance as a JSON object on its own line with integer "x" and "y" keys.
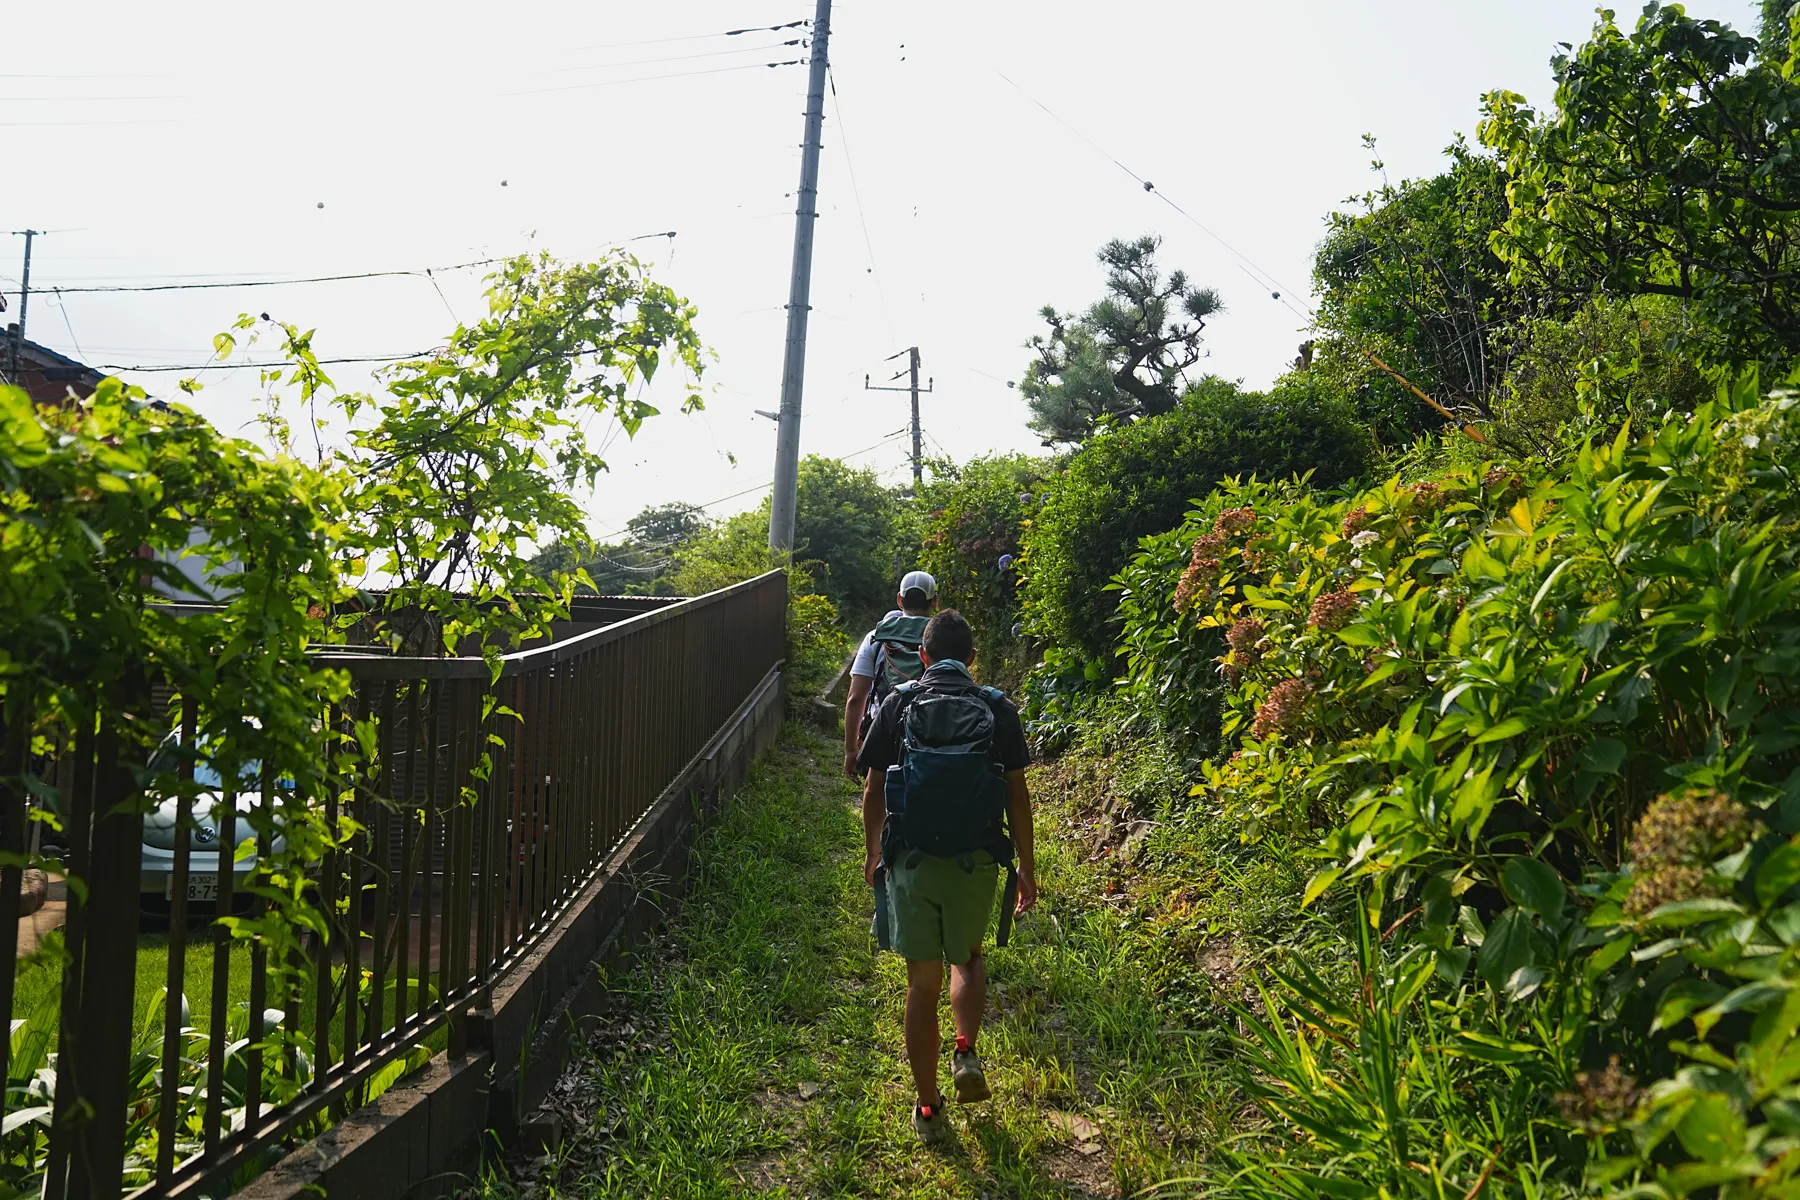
{"x": 427, "y": 1135}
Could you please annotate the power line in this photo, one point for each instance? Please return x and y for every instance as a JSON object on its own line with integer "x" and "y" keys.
{"x": 856, "y": 193}
{"x": 690, "y": 37}
{"x": 238, "y": 366}
{"x": 132, "y": 121}
{"x": 424, "y": 272}
{"x": 1275, "y": 286}
{"x": 641, "y": 62}
{"x": 67, "y": 324}
{"x": 79, "y": 99}
{"x": 260, "y": 283}
{"x": 573, "y": 87}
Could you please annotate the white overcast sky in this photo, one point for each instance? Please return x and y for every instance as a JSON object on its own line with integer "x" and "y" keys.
{"x": 197, "y": 142}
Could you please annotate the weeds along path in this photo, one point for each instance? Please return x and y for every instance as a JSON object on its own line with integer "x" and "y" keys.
{"x": 757, "y": 1046}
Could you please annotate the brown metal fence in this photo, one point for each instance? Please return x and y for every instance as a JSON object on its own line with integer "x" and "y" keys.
{"x": 451, "y": 876}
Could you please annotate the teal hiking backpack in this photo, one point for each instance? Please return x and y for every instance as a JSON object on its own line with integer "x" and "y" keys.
{"x": 946, "y": 797}
{"x": 897, "y": 640}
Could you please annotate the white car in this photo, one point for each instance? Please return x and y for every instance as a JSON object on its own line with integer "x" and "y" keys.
{"x": 207, "y": 855}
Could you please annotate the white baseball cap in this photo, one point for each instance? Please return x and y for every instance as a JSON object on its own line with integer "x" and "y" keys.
{"x": 919, "y": 581}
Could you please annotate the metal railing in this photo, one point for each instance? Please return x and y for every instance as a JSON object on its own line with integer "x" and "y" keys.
{"x": 449, "y": 876}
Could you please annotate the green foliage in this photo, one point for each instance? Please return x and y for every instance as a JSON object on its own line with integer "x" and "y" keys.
{"x": 1173, "y": 671}
{"x": 720, "y": 555}
{"x": 1377, "y": 1094}
{"x": 737, "y": 549}
{"x": 975, "y": 522}
{"x": 466, "y": 457}
{"x": 1125, "y": 357}
{"x": 846, "y": 528}
{"x": 99, "y": 502}
{"x": 1663, "y": 171}
{"x": 1609, "y": 363}
{"x": 1547, "y": 725}
{"x": 1139, "y": 479}
{"x": 666, "y": 524}
{"x": 471, "y": 456}
{"x": 1412, "y": 279}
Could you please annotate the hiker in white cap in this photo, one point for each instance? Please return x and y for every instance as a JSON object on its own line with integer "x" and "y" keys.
{"x": 887, "y": 658}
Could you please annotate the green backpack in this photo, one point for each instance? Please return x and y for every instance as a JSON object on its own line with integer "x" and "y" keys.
{"x": 897, "y": 640}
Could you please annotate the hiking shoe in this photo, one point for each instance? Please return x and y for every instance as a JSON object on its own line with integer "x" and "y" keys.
{"x": 966, "y": 1073}
{"x": 931, "y": 1123}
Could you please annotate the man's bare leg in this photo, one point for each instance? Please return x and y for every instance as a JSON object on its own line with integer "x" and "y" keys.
{"x": 924, "y": 988}
{"x": 968, "y": 995}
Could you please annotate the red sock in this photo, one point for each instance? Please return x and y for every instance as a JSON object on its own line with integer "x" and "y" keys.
{"x": 962, "y": 1044}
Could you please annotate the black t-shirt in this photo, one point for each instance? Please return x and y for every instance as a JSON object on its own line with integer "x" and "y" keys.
{"x": 881, "y": 748}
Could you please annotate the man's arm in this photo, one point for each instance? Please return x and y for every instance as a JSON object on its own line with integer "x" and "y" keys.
{"x": 854, "y": 707}
{"x": 874, "y": 817}
{"x": 1018, "y": 823}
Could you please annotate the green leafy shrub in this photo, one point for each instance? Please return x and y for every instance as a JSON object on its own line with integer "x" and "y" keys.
{"x": 1140, "y": 479}
{"x": 1664, "y": 170}
{"x": 1411, "y": 279}
{"x": 1548, "y": 728}
{"x": 737, "y": 549}
{"x": 974, "y": 524}
{"x": 1606, "y": 364}
{"x": 846, "y": 528}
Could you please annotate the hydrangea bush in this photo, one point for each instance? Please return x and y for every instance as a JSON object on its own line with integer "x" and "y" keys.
{"x": 1545, "y": 724}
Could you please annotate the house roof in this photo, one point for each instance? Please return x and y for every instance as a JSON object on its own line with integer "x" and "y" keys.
{"x": 50, "y": 366}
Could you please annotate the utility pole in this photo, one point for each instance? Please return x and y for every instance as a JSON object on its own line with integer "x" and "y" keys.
{"x": 912, "y": 369}
{"x": 793, "y": 365}
{"x": 24, "y": 302}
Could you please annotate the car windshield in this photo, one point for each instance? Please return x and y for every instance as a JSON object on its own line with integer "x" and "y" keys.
{"x": 206, "y": 774}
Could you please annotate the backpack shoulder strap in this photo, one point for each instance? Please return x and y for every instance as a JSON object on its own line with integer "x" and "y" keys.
{"x": 992, "y": 695}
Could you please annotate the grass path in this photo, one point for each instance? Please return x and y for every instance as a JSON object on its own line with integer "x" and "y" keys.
{"x": 756, "y": 1048}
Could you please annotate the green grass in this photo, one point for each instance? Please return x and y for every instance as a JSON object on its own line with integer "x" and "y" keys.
{"x": 768, "y": 979}
{"x": 40, "y": 974}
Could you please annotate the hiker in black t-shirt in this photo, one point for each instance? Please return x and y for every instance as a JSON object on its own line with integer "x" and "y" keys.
{"x": 941, "y": 825}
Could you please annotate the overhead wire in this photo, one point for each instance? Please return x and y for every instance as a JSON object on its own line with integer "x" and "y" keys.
{"x": 260, "y": 283}
{"x": 206, "y": 366}
{"x": 67, "y": 324}
{"x": 127, "y": 121}
{"x": 1276, "y": 288}
{"x": 440, "y": 291}
{"x": 228, "y": 284}
{"x": 856, "y": 194}
{"x": 693, "y": 37}
{"x": 575, "y": 87}
{"x": 644, "y": 62}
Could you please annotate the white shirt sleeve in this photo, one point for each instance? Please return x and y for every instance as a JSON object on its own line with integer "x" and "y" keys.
{"x": 863, "y": 665}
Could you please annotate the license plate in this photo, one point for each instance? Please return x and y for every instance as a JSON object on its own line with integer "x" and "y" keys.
{"x": 199, "y": 887}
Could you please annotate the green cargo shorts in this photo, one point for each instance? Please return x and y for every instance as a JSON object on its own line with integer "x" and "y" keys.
{"x": 937, "y": 910}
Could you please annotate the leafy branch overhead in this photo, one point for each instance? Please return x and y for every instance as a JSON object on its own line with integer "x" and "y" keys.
{"x": 1666, "y": 170}
{"x": 470, "y": 456}
{"x": 1126, "y": 357}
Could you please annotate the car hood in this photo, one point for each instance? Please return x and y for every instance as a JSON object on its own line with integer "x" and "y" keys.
{"x": 204, "y": 835}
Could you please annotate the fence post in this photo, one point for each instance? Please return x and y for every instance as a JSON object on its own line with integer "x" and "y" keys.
{"x": 97, "y": 1158}
{"x": 14, "y": 750}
